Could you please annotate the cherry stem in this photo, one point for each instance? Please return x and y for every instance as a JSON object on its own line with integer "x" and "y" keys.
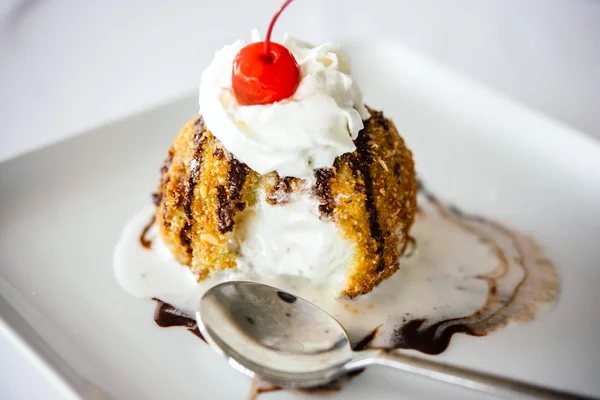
{"x": 268, "y": 57}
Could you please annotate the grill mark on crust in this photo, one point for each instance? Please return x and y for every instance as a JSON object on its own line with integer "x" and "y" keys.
{"x": 322, "y": 190}
{"x": 228, "y": 201}
{"x": 195, "y": 168}
{"x": 361, "y": 164}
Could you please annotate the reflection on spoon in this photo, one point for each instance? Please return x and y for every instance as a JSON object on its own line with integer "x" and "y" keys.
{"x": 295, "y": 344}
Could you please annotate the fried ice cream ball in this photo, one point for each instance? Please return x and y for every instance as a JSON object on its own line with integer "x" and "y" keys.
{"x": 369, "y": 194}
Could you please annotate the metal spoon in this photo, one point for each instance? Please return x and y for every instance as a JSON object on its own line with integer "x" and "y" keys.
{"x": 271, "y": 334}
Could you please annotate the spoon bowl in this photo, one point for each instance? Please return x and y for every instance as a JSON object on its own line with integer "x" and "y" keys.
{"x": 274, "y": 335}
{"x": 271, "y": 334}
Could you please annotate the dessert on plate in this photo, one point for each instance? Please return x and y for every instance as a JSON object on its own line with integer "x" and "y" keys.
{"x": 287, "y": 178}
{"x": 342, "y": 219}
{"x": 287, "y": 172}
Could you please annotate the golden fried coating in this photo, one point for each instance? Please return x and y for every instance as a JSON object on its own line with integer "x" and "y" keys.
{"x": 369, "y": 194}
{"x": 376, "y": 196}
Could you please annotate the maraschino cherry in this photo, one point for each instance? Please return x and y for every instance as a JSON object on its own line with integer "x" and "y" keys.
{"x": 264, "y": 72}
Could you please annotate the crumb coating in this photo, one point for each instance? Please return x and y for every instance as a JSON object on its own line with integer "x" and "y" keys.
{"x": 370, "y": 194}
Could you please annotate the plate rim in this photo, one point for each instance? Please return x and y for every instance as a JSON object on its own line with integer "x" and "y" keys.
{"x": 38, "y": 359}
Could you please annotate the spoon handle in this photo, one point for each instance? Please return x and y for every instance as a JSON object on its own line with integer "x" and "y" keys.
{"x": 467, "y": 378}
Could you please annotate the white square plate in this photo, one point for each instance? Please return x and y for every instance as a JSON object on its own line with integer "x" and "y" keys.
{"x": 62, "y": 208}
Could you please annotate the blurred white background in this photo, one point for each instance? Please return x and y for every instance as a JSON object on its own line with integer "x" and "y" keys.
{"x": 67, "y": 66}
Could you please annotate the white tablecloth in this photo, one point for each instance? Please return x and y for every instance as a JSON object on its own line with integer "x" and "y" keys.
{"x": 66, "y": 66}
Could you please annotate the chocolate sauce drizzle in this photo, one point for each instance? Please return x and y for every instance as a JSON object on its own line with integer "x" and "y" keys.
{"x": 361, "y": 165}
{"x": 366, "y": 341}
{"x": 229, "y": 203}
{"x": 322, "y": 190}
{"x": 280, "y": 194}
{"x": 166, "y": 316}
{"x": 236, "y": 177}
{"x": 144, "y": 240}
{"x": 259, "y": 386}
{"x": 433, "y": 339}
{"x": 194, "y": 175}
{"x": 224, "y": 211}
{"x": 158, "y": 196}
{"x": 411, "y": 247}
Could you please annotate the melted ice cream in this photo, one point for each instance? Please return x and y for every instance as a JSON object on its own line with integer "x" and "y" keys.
{"x": 465, "y": 273}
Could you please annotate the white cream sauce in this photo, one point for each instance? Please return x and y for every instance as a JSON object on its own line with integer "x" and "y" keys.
{"x": 448, "y": 275}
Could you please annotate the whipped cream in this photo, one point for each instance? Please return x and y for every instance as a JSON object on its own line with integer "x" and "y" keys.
{"x": 299, "y": 134}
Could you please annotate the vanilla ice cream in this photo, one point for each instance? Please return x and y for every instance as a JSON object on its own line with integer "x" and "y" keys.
{"x": 292, "y": 240}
